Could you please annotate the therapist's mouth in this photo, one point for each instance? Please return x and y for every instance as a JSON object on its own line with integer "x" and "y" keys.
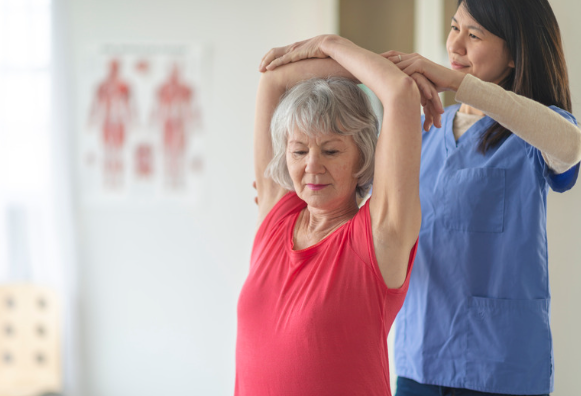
{"x": 457, "y": 66}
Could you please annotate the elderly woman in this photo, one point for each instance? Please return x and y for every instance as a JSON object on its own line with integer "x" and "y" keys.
{"x": 327, "y": 277}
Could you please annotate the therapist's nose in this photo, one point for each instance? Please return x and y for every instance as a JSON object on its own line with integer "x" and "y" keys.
{"x": 456, "y": 44}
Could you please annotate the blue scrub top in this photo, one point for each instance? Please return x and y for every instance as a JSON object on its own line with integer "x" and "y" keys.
{"x": 477, "y": 311}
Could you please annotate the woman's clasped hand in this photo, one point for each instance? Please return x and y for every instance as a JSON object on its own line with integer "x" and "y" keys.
{"x": 309, "y": 49}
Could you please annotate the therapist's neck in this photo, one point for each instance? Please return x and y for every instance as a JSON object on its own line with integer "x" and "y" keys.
{"x": 464, "y": 108}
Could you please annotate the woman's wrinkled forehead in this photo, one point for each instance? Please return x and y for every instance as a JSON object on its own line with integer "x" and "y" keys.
{"x": 316, "y": 137}
{"x": 310, "y": 124}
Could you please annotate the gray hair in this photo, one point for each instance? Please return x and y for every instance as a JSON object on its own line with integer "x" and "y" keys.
{"x": 322, "y": 106}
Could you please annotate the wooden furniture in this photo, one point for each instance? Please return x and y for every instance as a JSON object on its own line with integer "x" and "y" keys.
{"x": 30, "y": 349}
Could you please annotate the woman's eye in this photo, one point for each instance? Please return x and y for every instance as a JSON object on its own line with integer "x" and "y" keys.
{"x": 299, "y": 152}
{"x": 454, "y": 27}
{"x": 474, "y": 37}
{"x": 331, "y": 152}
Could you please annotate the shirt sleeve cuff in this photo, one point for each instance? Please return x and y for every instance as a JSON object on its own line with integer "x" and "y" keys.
{"x": 468, "y": 89}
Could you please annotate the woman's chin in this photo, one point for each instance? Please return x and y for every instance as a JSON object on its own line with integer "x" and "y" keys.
{"x": 327, "y": 200}
{"x": 316, "y": 199}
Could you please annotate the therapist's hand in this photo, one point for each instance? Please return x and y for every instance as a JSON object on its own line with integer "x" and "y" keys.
{"x": 443, "y": 78}
{"x": 430, "y": 101}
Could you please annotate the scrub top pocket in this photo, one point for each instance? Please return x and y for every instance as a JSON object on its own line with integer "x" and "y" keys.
{"x": 474, "y": 200}
{"x": 509, "y": 342}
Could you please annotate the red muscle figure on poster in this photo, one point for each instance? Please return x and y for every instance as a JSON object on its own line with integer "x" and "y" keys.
{"x": 144, "y": 160}
{"x": 174, "y": 109}
{"x": 111, "y": 107}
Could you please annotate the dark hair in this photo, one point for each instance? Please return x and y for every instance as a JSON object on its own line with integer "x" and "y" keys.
{"x": 533, "y": 39}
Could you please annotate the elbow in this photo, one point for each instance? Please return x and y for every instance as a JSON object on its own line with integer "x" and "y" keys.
{"x": 268, "y": 79}
{"x": 275, "y": 79}
{"x": 573, "y": 155}
{"x": 404, "y": 92}
{"x": 410, "y": 86}
{"x": 576, "y": 151}
{"x": 407, "y": 87}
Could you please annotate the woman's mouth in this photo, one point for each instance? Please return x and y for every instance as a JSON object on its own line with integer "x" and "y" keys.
{"x": 316, "y": 187}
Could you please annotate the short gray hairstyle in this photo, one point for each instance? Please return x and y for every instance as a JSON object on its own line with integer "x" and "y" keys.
{"x": 322, "y": 106}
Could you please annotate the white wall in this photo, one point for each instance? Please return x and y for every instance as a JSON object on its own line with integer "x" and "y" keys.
{"x": 564, "y": 227}
{"x": 159, "y": 284}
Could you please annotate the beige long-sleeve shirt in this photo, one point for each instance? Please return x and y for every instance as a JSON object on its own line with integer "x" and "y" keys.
{"x": 558, "y": 140}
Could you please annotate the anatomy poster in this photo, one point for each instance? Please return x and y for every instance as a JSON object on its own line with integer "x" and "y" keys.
{"x": 144, "y": 123}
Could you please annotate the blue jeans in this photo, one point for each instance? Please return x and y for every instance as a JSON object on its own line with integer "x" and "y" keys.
{"x": 408, "y": 387}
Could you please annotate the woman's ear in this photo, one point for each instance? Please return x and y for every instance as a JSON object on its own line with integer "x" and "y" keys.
{"x": 511, "y": 64}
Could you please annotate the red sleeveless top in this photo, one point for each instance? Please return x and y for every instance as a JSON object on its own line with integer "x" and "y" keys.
{"x": 314, "y": 321}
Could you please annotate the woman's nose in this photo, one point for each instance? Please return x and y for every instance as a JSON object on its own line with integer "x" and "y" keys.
{"x": 314, "y": 164}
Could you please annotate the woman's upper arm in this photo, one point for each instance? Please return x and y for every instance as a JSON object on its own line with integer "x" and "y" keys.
{"x": 395, "y": 204}
{"x": 395, "y": 200}
{"x": 270, "y": 89}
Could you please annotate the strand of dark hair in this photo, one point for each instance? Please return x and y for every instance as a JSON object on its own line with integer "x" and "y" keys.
{"x": 533, "y": 38}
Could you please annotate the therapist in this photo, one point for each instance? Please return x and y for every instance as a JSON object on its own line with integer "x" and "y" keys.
{"x": 477, "y": 312}
{"x": 476, "y": 318}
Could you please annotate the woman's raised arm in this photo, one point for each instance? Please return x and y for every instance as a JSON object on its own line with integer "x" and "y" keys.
{"x": 395, "y": 203}
{"x": 267, "y": 97}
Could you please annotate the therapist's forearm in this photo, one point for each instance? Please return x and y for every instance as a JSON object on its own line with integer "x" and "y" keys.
{"x": 558, "y": 139}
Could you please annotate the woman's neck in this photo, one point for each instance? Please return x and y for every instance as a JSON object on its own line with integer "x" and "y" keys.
{"x": 314, "y": 225}
{"x": 464, "y": 108}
